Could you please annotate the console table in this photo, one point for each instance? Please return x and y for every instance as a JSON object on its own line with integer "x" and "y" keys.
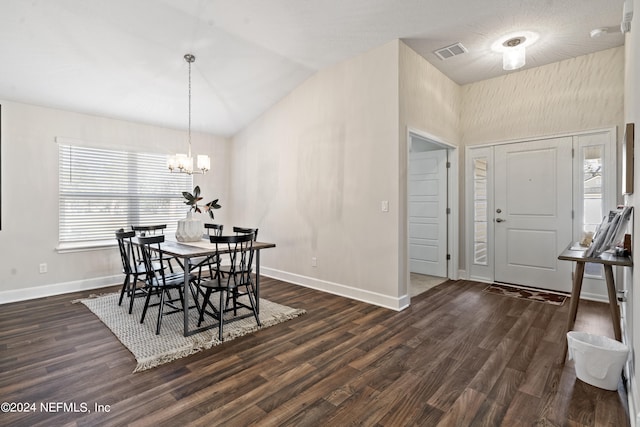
{"x": 608, "y": 260}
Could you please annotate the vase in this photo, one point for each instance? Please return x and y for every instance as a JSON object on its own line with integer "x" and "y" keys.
{"x": 189, "y": 229}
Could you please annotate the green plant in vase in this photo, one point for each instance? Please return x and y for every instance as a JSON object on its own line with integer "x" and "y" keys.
{"x": 190, "y": 229}
{"x": 192, "y": 200}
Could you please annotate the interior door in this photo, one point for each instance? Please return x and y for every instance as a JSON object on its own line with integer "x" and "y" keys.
{"x": 428, "y": 212}
{"x": 533, "y": 208}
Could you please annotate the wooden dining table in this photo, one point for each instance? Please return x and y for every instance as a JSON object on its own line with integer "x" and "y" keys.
{"x": 203, "y": 248}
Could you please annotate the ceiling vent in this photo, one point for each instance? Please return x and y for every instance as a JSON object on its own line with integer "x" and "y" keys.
{"x": 450, "y": 51}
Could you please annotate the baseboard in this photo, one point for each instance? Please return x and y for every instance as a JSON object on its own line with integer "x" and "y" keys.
{"x": 374, "y": 298}
{"x": 24, "y": 294}
{"x": 594, "y": 297}
{"x": 632, "y": 400}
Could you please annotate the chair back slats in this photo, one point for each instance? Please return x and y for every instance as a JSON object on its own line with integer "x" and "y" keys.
{"x": 127, "y": 254}
{"x": 240, "y": 251}
{"x": 149, "y": 244}
{"x": 150, "y": 229}
{"x": 245, "y": 230}
{"x": 213, "y": 229}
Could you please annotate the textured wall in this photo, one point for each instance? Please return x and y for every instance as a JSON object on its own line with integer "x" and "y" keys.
{"x": 429, "y": 100}
{"x": 573, "y": 95}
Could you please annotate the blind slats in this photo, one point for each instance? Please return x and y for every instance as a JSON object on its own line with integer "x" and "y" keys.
{"x": 104, "y": 190}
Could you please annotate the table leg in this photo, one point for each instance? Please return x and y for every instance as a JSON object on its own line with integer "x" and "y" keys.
{"x": 185, "y": 295}
{"x": 258, "y": 281}
{"x": 575, "y": 299}
{"x": 613, "y": 302}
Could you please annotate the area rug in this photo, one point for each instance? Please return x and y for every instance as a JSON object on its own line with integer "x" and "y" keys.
{"x": 526, "y": 293}
{"x": 151, "y": 350}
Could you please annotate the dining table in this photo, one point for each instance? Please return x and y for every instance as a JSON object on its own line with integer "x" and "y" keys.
{"x": 187, "y": 251}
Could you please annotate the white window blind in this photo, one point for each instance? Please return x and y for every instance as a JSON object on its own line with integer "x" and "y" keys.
{"x": 104, "y": 190}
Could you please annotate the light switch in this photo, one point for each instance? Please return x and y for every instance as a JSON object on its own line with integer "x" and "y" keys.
{"x": 385, "y": 206}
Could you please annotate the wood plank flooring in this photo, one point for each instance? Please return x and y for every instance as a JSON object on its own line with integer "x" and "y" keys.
{"x": 458, "y": 356}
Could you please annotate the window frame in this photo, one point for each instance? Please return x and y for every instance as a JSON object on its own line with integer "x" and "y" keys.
{"x": 108, "y": 181}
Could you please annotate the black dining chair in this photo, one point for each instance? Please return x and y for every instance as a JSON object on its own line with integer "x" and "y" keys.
{"x": 208, "y": 262}
{"x": 245, "y": 230}
{"x": 155, "y": 230}
{"x": 159, "y": 283}
{"x": 240, "y": 252}
{"x": 132, "y": 266}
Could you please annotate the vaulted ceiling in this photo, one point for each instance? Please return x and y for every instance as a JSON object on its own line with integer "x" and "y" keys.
{"x": 124, "y": 58}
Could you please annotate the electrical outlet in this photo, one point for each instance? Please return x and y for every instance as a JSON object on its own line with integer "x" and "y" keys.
{"x": 385, "y": 206}
{"x": 43, "y": 268}
{"x": 314, "y": 262}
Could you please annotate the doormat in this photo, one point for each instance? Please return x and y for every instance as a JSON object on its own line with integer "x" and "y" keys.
{"x": 528, "y": 294}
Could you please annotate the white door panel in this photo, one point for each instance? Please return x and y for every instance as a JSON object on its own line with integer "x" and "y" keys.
{"x": 427, "y": 193}
{"x": 533, "y": 204}
{"x": 540, "y": 251}
{"x": 424, "y": 231}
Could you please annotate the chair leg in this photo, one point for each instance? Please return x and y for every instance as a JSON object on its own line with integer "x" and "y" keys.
{"x": 146, "y": 304}
{"x": 222, "y": 310}
{"x": 132, "y": 295}
{"x": 125, "y": 285}
{"x": 160, "y": 311}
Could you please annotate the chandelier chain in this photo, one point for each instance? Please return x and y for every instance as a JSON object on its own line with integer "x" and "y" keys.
{"x": 189, "y": 61}
{"x": 180, "y": 162}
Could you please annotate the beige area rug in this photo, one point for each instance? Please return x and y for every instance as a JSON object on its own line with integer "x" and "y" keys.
{"x": 151, "y": 350}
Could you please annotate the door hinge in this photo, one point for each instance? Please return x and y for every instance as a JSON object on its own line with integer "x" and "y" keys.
{"x": 572, "y": 214}
{"x": 448, "y": 257}
{"x": 448, "y": 211}
{"x": 573, "y": 153}
{"x": 448, "y": 165}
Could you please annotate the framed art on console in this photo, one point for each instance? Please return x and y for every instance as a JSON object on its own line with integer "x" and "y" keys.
{"x": 627, "y": 159}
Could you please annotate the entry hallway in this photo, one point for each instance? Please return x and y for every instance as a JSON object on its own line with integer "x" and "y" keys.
{"x": 458, "y": 356}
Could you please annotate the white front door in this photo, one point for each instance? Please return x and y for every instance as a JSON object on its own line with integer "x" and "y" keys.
{"x": 532, "y": 213}
{"x": 427, "y": 212}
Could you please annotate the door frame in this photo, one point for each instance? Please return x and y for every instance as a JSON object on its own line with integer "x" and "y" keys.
{"x": 488, "y": 274}
{"x": 453, "y": 154}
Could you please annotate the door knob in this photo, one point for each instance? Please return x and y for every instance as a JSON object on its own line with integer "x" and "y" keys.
{"x": 500, "y": 220}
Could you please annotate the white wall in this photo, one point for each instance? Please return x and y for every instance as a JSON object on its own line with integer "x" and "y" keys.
{"x": 311, "y": 174}
{"x": 29, "y": 233}
{"x": 429, "y": 102}
{"x": 632, "y": 281}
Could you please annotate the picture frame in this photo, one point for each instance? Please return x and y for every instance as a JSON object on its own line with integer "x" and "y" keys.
{"x": 627, "y": 159}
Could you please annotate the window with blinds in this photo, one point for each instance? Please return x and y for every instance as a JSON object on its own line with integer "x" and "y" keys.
{"x": 104, "y": 190}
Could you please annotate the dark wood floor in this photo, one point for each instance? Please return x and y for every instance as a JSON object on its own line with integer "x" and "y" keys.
{"x": 456, "y": 357}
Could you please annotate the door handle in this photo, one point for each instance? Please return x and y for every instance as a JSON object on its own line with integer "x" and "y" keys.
{"x": 500, "y": 220}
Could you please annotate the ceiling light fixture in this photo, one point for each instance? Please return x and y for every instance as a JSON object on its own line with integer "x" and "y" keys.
{"x": 514, "y": 56}
{"x": 513, "y": 48}
{"x": 183, "y": 163}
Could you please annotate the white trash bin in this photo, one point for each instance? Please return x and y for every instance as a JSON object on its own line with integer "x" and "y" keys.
{"x": 598, "y": 360}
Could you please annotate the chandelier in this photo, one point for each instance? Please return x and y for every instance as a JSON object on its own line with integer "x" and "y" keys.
{"x": 183, "y": 163}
